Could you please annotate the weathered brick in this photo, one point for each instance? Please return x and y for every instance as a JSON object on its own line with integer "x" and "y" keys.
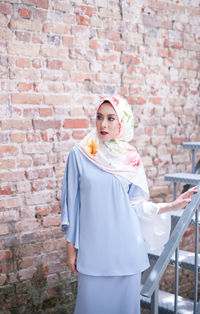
{"x": 39, "y": 173}
{"x": 5, "y": 255}
{"x": 68, "y": 41}
{"x": 46, "y": 124}
{"x": 17, "y": 137}
{"x": 51, "y": 221}
{"x": 46, "y": 112}
{"x": 39, "y": 198}
{"x": 26, "y": 99}
{"x": 3, "y": 230}
{"x": 6, "y": 8}
{"x": 11, "y": 215}
{"x": 75, "y": 123}
{"x": 36, "y": 148}
{"x": 25, "y": 25}
{"x": 16, "y": 124}
{"x": 25, "y": 13}
{"x": 23, "y": 49}
{"x": 55, "y": 28}
{"x": 86, "y": 10}
{"x": 23, "y": 63}
{"x": 7, "y": 163}
{"x": 57, "y": 99}
{"x": 24, "y": 162}
{"x": 8, "y": 150}
{"x": 6, "y": 34}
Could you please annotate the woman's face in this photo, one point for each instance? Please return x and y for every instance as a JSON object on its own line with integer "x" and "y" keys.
{"x": 107, "y": 123}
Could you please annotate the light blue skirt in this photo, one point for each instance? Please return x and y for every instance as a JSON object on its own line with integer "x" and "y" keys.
{"x": 108, "y": 294}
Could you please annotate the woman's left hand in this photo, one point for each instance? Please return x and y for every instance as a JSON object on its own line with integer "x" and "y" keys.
{"x": 183, "y": 199}
{"x": 179, "y": 203}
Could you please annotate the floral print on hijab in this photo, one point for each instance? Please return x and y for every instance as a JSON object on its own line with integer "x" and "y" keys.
{"x": 117, "y": 156}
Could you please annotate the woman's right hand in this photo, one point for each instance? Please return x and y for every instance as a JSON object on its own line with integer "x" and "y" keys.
{"x": 71, "y": 257}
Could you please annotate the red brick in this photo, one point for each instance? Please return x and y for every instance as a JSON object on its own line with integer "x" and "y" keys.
{"x": 81, "y": 20}
{"x": 75, "y": 123}
{"x": 131, "y": 59}
{"x": 111, "y": 35}
{"x": 42, "y": 211}
{"x": 24, "y": 87}
{"x": 26, "y": 99}
{"x": 46, "y": 124}
{"x": 156, "y": 100}
{"x": 94, "y": 44}
{"x": 23, "y": 63}
{"x": 5, "y": 255}
{"x": 33, "y": 137}
{"x": 6, "y": 9}
{"x": 140, "y": 101}
{"x": 37, "y": 63}
{"x": 86, "y": 10}
{"x": 38, "y": 185}
{"x": 44, "y": 4}
{"x": 54, "y": 64}
{"x": 78, "y": 135}
{"x": 6, "y": 190}
{"x": 7, "y": 150}
{"x": 46, "y": 112}
{"x": 25, "y": 13}
{"x": 178, "y": 140}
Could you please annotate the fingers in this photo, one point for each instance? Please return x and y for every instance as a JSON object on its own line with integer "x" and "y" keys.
{"x": 193, "y": 189}
{"x": 72, "y": 266}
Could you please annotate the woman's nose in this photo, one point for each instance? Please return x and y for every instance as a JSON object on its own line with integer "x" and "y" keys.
{"x": 104, "y": 123}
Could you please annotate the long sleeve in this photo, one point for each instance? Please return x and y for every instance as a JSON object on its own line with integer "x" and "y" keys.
{"x": 155, "y": 227}
{"x": 70, "y": 201}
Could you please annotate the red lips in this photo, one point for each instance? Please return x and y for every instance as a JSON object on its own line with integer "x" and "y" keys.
{"x": 103, "y": 133}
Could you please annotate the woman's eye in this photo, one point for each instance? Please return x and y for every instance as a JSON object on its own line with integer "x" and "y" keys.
{"x": 98, "y": 117}
{"x": 111, "y": 119}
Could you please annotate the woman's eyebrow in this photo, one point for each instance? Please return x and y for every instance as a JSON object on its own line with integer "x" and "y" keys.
{"x": 109, "y": 114}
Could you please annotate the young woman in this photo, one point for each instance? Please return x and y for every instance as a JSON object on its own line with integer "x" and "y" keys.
{"x": 107, "y": 216}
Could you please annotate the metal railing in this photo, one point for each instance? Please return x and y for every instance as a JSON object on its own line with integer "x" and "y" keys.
{"x": 150, "y": 288}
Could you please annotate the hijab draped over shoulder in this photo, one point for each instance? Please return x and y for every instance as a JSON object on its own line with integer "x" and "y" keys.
{"x": 117, "y": 156}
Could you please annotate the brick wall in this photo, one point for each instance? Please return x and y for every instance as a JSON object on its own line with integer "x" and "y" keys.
{"x": 56, "y": 58}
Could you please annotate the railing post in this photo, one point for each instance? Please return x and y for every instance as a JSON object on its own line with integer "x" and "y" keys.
{"x": 154, "y": 302}
{"x": 196, "y": 259}
{"x": 176, "y": 267}
{"x": 193, "y": 160}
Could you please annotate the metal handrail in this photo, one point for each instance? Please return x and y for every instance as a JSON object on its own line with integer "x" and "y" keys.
{"x": 152, "y": 281}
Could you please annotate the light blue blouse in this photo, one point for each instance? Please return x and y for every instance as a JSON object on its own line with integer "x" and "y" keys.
{"x": 99, "y": 220}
